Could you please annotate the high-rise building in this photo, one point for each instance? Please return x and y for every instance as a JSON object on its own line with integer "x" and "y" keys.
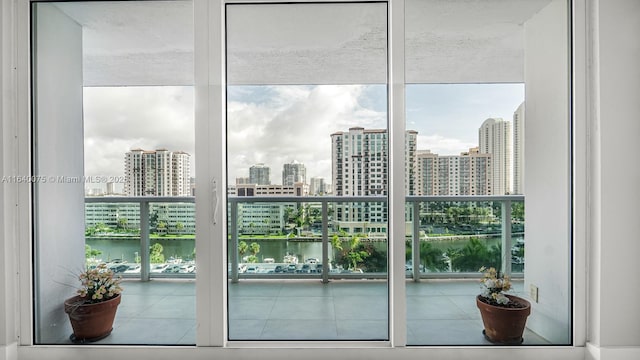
{"x": 180, "y": 174}
{"x": 157, "y": 173}
{"x": 495, "y": 138}
{"x": 259, "y": 174}
{"x": 359, "y": 160}
{"x": 293, "y": 173}
{"x": 466, "y": 174}
{"x": 518, "y": 150}
{"x": 317, "y": 186}
{"x": 359, "y": 168}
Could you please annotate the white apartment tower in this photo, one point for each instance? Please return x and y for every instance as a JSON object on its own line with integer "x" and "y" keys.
{"x": 518, "y": 150}
{"x": 466, "y": 174}
{"x": 317, "y": 186}
{"x": 359, "y": 168}
{"x": 494, "y": 137}
{"x": 293, "y": 173}
{"x": 157, "y": 173}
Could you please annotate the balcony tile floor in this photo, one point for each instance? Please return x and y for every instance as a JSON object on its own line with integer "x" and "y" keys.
{"x": 440, "y": 312}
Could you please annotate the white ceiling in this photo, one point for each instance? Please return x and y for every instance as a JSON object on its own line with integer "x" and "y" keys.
{"x": 135, "y": 42}
{"x": 447, "y": 41}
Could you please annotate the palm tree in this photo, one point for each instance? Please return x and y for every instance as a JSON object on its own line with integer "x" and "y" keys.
{"x": 242, "y": 248}
{"x": 122, "y": 223}
{"x": 254, "y": 248}
{"x": 156, "y": 253}
{"x": 472, "y": 256}
{"x": 432, "y": 257}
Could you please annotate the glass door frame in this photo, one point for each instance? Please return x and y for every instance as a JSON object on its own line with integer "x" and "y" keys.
{"x": 211, "y": 184}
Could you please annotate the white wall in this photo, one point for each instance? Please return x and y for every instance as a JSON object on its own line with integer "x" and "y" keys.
{"x": 8, "y": 258}
{"x": 547, "y": 183}
{"x": 59, "y": 221}
{"x": 616, "y": 132}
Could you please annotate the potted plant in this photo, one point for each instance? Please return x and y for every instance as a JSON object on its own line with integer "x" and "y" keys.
{"x": 504, "y": 316}
{"x": 92, "y": 311}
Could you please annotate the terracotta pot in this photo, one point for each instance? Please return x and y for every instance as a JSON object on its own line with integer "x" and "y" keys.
{"x": 91, "y": 322}
{"x": 502, "y": 325}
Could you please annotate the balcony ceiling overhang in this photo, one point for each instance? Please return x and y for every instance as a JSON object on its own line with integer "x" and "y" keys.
{"x": 129, "y": 43}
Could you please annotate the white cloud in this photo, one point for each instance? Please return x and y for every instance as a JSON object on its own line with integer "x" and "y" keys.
{"x": 117, "y": 119}
{"x": 442, "y": 145}
{"x": 294, "y": 123}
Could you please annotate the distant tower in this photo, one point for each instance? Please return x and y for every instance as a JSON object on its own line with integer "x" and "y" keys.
{"x": 156, "y": 173}
{"x": 466, "y": 174}
{"x": 495, "y": 139}
{"x": 518, "y": 150}
{"x": 259, "y": 174}
{"x": 293, "y": 173}
{"x": 359, "y": 168}
{"x": 110, "y": 188}
{"x": 317, "y": 186}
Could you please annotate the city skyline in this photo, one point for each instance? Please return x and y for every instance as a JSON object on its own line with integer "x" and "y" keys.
{"x": 280, "y": 124}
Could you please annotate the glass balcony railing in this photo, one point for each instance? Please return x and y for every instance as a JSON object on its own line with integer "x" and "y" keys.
{"x": 142, "y": 237}
{"x": 321, "y": 237}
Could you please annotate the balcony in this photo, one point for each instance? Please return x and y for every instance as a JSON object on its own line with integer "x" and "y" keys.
{"x": 324, "y": 302}
{"x": 437, "y": 213}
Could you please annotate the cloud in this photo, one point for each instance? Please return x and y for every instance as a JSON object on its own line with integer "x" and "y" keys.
{"x": 117, "y": 119}
{"x": 293, "y": 123}
{"x": 265, "y": 124}
{"x": 441, "y": 145}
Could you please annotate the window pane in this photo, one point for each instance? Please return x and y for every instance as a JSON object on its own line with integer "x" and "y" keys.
{"x": 467, "y": 86}
{"x": 306, "y": 126}
{"x": 113, "y": 133}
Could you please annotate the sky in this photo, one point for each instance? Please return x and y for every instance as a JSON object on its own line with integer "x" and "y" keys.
{"x": 275, "y": 125}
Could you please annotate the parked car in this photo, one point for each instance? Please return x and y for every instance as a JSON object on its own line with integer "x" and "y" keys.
{"x": 186, "y": 269}
{"x": 291, "y": 268}
{"x": 158, "y": 268}
{"x": 119, "y": 268}
{"x": 133, "y": 269}
{"x": 252, "y": 269}
{"x": 171, "y": 269}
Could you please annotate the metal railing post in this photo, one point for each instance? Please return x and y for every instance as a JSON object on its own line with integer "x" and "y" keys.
{"x": 234, "y": 241}
{"x": 145, "y": 242}
{"x": 325, "y": 242}
{"x": 506, "y": 237}
{"x": 415, "y": 243}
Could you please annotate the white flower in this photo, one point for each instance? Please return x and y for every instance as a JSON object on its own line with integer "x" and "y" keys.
{"x": 501, "y": 298}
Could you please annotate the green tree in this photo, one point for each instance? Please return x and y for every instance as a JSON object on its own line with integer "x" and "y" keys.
{"x": 254, "y": 248}
{"x": 91, "y": 253}
{"x": 156, "y": 253}
{"x": 432, "y": 258}
{"x": 375, "y": 260}
{"x": 122, "y": 223}
{"x": 242, "y": 248}
{"x": 161, "y": 227}
{"x": 517, "y": 211}
{"x": 471, "y": 257}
